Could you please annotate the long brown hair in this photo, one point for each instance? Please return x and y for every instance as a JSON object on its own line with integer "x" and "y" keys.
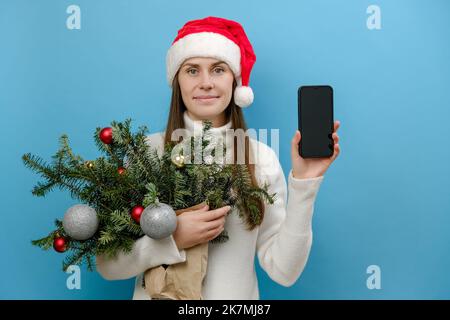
{"x": 233, "y": 113}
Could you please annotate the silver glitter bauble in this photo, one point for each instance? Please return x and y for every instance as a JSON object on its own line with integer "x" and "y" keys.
{"x": 80, "y": 222}
{"x": 158, "y": 221}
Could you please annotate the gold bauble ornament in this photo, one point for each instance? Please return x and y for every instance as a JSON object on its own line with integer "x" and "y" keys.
{"x": 178, "y": 160}
{"x": 89, "y": 164}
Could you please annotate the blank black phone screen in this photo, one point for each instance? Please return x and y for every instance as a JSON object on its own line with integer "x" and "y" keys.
{"x": 315, "y": 121}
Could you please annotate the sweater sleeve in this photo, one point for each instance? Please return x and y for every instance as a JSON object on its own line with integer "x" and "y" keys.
{"x": 145, "y": 254}
{"x": 285, "y": 235}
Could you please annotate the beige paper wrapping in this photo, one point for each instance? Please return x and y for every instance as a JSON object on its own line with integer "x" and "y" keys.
{"x": 180, "y": 281}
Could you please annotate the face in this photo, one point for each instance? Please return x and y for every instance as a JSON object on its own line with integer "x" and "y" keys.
{"x": 206, "y": 88}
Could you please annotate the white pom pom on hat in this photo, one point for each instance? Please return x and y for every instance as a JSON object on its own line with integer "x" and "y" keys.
{"x": 219, "y": 38}
{"x": 243, "y": 96}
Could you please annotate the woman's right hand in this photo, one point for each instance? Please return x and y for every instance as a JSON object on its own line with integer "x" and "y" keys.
{"x": 199, "y": 226}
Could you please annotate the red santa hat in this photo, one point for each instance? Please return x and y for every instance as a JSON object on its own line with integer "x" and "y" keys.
{"x": 219, "y": 38}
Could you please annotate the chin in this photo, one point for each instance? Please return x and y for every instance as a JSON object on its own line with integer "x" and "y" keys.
{"x": 207, "y": 111}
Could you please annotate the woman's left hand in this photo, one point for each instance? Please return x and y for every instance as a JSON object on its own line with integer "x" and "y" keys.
{"x": 303, "y": 168}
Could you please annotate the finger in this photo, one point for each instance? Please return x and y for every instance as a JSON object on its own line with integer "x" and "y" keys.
{"x": 337, "y": 124}
{"x": 294, "y": 144}
{"x": 214, "y": 224}
{"x": 337, "y": 150}
{"x": 198, "y": 207}
{"x": 335, "y": 137}
{"x": 211, "y": 234}
{"x": 296, "y": 138}
{"x": 214, "y": 214}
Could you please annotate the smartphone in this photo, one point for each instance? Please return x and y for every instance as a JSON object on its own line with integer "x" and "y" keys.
{"x": 315, "y": 121}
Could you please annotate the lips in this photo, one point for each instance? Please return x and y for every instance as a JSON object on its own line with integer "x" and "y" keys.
{"x": 205, "y": 97}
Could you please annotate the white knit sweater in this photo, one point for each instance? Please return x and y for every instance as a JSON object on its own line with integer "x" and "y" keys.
{"x": 282, "y": 242}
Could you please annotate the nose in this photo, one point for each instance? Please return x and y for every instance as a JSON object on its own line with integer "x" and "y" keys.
{"x": 206, "y": 82}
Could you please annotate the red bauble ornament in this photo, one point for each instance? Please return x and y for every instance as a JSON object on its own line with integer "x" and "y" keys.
{"x": 60, "y": 244}
{"x": 136, "y": 213}
{"x": 106, "y": 135}
{"x": 121, "y": 170}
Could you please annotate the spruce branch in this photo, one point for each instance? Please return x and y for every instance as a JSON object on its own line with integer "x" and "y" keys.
{"x": 148, "y": 179}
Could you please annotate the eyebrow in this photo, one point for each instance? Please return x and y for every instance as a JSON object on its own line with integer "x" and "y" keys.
{"x": 197, "y": 65}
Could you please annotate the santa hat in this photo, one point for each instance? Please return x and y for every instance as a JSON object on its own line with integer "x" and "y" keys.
{"x": 219, "y": 38}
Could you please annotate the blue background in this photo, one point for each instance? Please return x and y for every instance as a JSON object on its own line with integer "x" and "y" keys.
{"x": 385, "y": 200}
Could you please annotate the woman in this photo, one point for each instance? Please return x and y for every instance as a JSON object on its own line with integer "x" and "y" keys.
{"x": 208, "y": 68}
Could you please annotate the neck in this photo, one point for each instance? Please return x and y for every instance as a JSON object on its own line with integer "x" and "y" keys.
{"x": 195, "y": 128}
{"x": 192, "y": 124}
{"x": 217, "y": 121}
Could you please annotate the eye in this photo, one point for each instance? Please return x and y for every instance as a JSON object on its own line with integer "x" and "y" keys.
{"x": 189, "y": 71}
{"x": 219, "y": 70}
